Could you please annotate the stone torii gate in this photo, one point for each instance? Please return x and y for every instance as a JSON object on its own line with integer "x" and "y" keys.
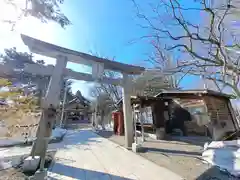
{"x": 62, "y": 56}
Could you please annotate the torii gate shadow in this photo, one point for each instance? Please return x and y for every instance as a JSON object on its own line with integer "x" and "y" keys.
{"x": 79, "y": 173}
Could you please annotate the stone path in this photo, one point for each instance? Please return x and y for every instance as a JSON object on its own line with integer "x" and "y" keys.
{"x": 86, "y": 156}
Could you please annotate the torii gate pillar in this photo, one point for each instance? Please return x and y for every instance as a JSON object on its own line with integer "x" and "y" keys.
{"x": 127, "y": 112}
{"x": 50, "y": 100}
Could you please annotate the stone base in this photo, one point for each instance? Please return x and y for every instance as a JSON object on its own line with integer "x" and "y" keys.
{"x": 137, "y": 147}
{"x": 30, "y": 164}
{"x": 39, "y": 175}
{"x": 160, "y": 133}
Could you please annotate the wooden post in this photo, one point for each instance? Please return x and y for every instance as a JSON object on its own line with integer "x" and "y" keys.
{"x": 233, "y": 116}
{"x": 135, "y": 124}
{"x": 127, "y": 112}
{"x": 141, "y": 121}
{"x": 159, "y": 120}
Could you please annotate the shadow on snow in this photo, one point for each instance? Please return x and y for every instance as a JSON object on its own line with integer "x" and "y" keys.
{"x": 79, "y": 173}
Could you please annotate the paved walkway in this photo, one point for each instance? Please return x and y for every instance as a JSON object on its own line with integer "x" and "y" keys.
{"x": 86, "y": 156}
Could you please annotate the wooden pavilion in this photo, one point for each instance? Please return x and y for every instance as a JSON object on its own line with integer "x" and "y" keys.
{"x": 203, "y": 113}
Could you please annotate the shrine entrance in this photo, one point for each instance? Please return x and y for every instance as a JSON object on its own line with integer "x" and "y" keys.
{"x": 57, "y": 72}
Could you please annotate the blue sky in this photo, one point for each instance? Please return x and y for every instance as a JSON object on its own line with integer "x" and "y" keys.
{"x": 107, "y": 27}
{"x": 102, "y": 27}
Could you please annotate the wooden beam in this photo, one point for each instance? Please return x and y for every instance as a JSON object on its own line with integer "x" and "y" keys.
{"x": 68, "y": 73}
{"x": 88, "y": 77}
{"x": 51, "y": 50}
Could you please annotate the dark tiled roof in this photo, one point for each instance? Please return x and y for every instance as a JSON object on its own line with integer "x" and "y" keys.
{"x": 192, "y": 92}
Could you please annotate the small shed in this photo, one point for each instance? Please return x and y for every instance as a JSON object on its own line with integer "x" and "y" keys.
{"x": 201, "y": 113}
{"x": 211, "y": 112}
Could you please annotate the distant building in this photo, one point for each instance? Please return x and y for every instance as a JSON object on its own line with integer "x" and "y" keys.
{"x": 76, "y": 111}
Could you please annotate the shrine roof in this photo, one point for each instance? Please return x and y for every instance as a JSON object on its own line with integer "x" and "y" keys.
{"x": 180, "y": 93}
{"x": 51, "y": 50}
{"x": 144, "y": 100}
{"x": 170, "y": 94}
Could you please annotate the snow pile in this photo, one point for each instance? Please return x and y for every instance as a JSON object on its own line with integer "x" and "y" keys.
{"x": 58, "y": 133}
{"x": 224, "y": 154}
{"x": 5, "y": 165}
{"x": 109, "y": 127}
{"x": 10, "y": 142}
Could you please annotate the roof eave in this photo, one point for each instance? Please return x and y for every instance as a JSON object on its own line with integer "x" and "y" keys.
{"x": 210, "y": 92}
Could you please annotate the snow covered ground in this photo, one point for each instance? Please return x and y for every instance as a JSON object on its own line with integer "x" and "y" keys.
{"x": 84, "y": 155}
{"x": 224, "y": 154}
{"x": 57, "y": 134}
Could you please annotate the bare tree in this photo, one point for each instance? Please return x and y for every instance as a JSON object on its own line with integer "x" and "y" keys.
{"x": 101, "y": 92}
{"x": 209, "y": 47}
{"x": 66, "y": 86}
{"x": 163, "y": 61}
{"x": 102, "y": 105}
{"x": 111, "y": 91}
{"x": 105, "y": 96}
{"x": 150, "y": 83}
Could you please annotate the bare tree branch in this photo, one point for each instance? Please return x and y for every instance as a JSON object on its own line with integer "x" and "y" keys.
{"x": 206, "y": 45}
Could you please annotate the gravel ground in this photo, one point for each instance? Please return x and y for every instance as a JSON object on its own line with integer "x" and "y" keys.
{"x": 180, "y": 157}
{"x": 12, "y": 174}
